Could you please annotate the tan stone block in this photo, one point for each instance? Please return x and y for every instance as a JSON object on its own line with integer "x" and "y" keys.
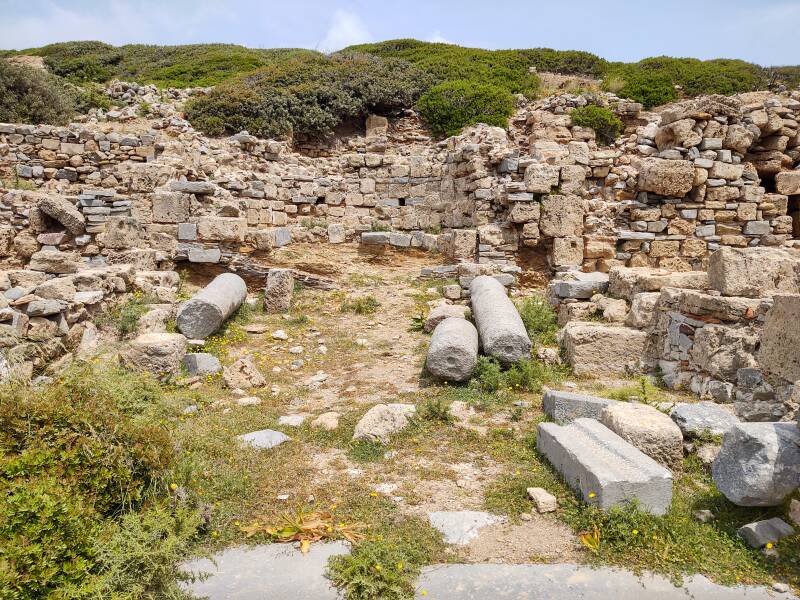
{"x": 694, "y": 248}
{"x": 664, "y": 248}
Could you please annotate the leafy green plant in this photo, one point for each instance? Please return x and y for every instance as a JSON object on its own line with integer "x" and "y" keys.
{"x": 434, "y": 409}
{"x": 540, "y": 320}
{"x": 488, "y": 375}
{"x": 308, "y": 96}
{"x": 125, "y": 317}
{"x": 530, "y": 376}
{"x": 453, "y": 105}
{"x": 29, "y": 95}
{"x": 366, "y": 451}
{"x": 605, "y": 123}
{"x": 650, "y": 88}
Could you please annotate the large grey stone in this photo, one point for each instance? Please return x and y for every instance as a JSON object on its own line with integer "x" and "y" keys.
{"x": 579, "y": 285}
{"x": 207, "y": 310}
{"x": 759, "y": 463}
{"x": 604, "y": 468}
{"x": 568, "y": 582}
{"x": 274, "y": 571}
{"x": 44, "y": 308}
{"x": 761, "y": 533}
{"x": 501, "y": 330}
{"x": 453, "y": 351}
{"x": 565, "y": 407}
{"x": 703, "y": 418}
{"x": 193, "y": 187}
{"x": 53, "y": 261}
{"x": 278, "y": 291}
{"x": 443, "y": 311}
{"x": 263, "y": 439}
{"x": 202, "y": 363}
{"x": 461, "y": 527}
{"x": 666, "y": 177}
{"x": 64, "y": 212}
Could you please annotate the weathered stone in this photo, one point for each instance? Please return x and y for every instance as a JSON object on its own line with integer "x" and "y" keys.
{"x": 328, "y": 421}
{"x": 158, "y": 353}
{"x": 243, "y": 374}
{"x": 780, "y": 338}
{"x": 759, "y": 463}
{"x": 383, "y": 420}
{"x": 643, "y": 310}
{"x": 208, "y": 309}
{"x": 444, "y": 311}
{"x": 666, "y": 177}
{"x": 579, "y": 285}
{"x": 648, "y": 429}
{"x": 201, "y": 363}
{"x": 222, "y": 229}
{"x": 44, "y": 308}
{"x": 702, "y": 418}
{"x": 754, "y": 272}
{"x": 453, "y": 351}
{"x": 544, "y": 501}
{"x": 64, "y": 212}
{"x": 540, "y": 178}
{"x": 564, "y": 407}
{"x": 593, "y": 349}
{"x": 264, "y": 439}
{"x": 788, "y": 183}
{"x": 205, "y": 188}
{"x": 53, "y": 261}
{"x": 171, "y": 207}
{"x": 461, "y": 527}
{"x": 122, "y": 233}
{"x": 605, "y": 469}
{"x": 561, "y": 216}
{"x": 761, "y": 533}
{"x": 721, "y": 350}
{"x": 502, "y": 332}
{"x": 278, "y": 291}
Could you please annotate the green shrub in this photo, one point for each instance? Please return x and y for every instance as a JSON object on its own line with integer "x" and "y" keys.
{"x": 540, "y": 320}
{"x": 530, "y": 376}
{"x": 450, "y": 106}
{"x": 488, "y": 375}
{"x": 137, "y": 557}
{"x": 89, "y": 97}
{"x": 80, "y": 450}
{"x": 605, "y": 123}
{"x": 363, "y": 305}
{"x": 650, "y": 88}
{"x": 508, "y": 69}
{"x": 29, "y": 95}
{"x": 308, "y": 96}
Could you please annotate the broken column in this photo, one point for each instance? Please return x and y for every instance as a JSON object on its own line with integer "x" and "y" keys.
{"x": 278, "y": 292}
{"x": 208, "y": 309}
{"x": 502, "y": 332}
{"x": 453, "y": 351}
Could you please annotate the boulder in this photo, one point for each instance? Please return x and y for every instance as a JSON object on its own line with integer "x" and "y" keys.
{"x": 453, "y": 351}
{"x": 540, "y": 178}
{"x": 721, "y": 350}
{"x": 201, "y": 363}
{"x": 650, "y": 430}
{"x": 243, "y": 374}
{"x": 53, "y": 261}
{"x": 788, "y": 183}
{"x": 263, "y": 439}
{"x": 278, "y": 291}
{"x": 780, "y": 338}
{"x": 761, "y": 533}
{"x": 381, "y": 421}
{"x": 754, "y": 272}
{"x": 702, "y": 418}
{"x": 442, "y": 312}
{"x": 759, "y": 463}
{"x": 502, "y": 333}
{"x": 593, "y": 349}
{"x": 158, "y": 353}
{"x": 208, "y": 309}
{"x": 673, "y": 178}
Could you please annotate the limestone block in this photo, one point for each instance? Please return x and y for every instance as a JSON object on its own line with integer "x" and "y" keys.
{"x": 540, "y": 178}
{"x": 593, "y": 349}
{"x": 382, "y": 420}
{"x": 158, "y": 353}
{"x": 278, "y": 291}
{"x": 648, "y": 429}
{"x": 780, "y": 338}
{"x": 561, "y": 216}
{"x": 564, "y": 407}
{"x": 221, "y": 229}
{"x": 666, "y": 177}
{"x": 605, "y": 469}
{"x": 208, "y": 309}
{"x": 754, "y": 272}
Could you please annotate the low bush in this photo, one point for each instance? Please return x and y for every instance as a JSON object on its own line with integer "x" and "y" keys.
{"x": 363, "y": 305}
{"x": 540, "y": 320}
{"x": 29, "y": 95}
{"x": 75, "y": 453}
{"x": 451, "y": 106}
{"x": 308, "y": 97}
{"x": 605, "y": 123}
{"x": 650, "y": 88}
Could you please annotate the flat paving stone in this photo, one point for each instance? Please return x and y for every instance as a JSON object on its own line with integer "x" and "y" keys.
{"x": 263, "y": 439}
{"x": 570, "y": 582}
{"x": 272, "y": 571}
{"x": 460, "y": 527}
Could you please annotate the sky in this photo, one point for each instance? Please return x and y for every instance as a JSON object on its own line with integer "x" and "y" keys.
{"x": 761, "y": 31}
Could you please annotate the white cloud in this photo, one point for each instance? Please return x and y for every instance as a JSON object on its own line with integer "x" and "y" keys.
{"x": 438, "y": 38}
{"x": 346, "y": 29}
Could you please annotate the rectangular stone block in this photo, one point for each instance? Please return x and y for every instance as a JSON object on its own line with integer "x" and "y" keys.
{"x": 565, "y": 407}
{"x": 603, "y": 468}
